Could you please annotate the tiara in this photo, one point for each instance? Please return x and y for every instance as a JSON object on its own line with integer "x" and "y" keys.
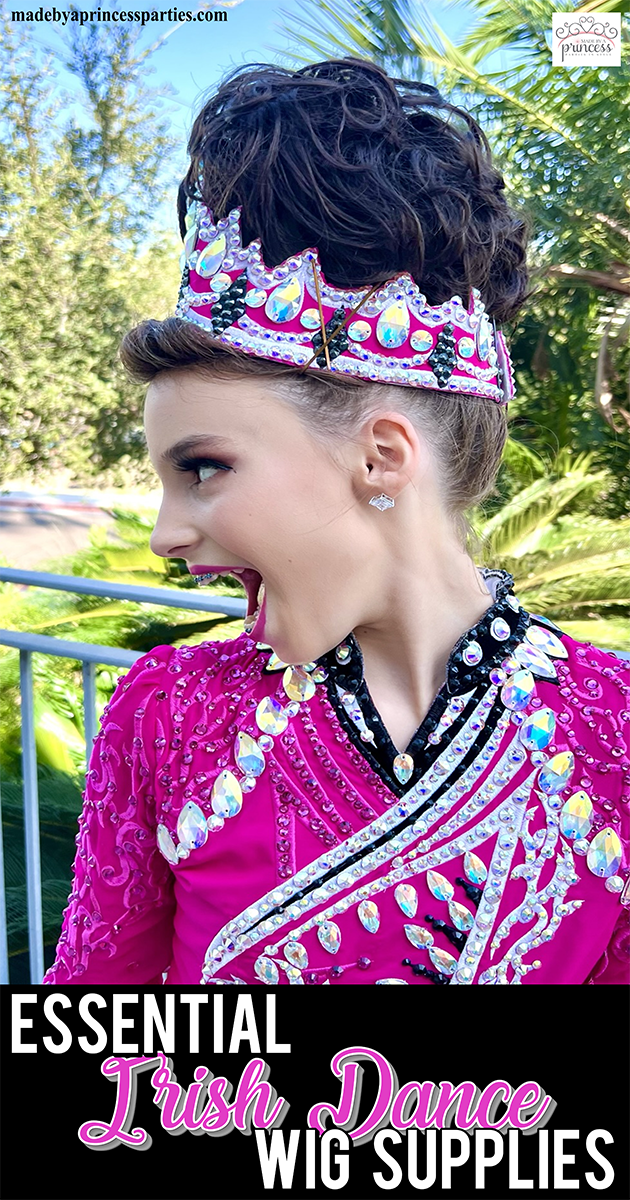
{"x": 289, "y": 313}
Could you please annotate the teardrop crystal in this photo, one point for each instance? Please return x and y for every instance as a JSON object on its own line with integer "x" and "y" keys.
{"x": 271, "y": 717}
{"x": 555, "y": 774}
{"x": 517, "y": 692}
{"x": 418, "y": 936}
{"x": 403, "y": 767}
{"x": 329, "y": 935}
{"x": 227, "y": 797}
{"x": 441, "y": 959}
{"x": 285, "y": 301}
{"x": 475, "y": 869}
{"x": 267, "y": 970}
{"x": 297, "y": 684}
{"x": 369, "y": 915}
{"x": 461, "y": 916}
{"x": 576, "y": 816}
{"x": 547, "y": 641}
{"x": 604, "y": 855}
{"x": 211, "y": 258}
{"x": 406, "y": 898}
{"x": 295, "y": 953}
{"x": 536, "y": 660}
{"x": 537, "y": 730}
{"x": 166, "y": 845}
{"x": 192, "y": 829}
{"x": 392, "y": 327}
{"x": 439, "y": 886}
{"x": 249, "y": 757}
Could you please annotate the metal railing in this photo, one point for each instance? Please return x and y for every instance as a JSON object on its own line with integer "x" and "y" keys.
{"x": 89, "y": 655}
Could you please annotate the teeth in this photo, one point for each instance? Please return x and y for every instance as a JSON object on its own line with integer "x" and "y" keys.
{"x": 209, "y": 577}
{"x": 261, "y": 593}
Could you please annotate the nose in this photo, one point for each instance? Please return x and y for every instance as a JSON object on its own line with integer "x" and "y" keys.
{"x": 172, "y": 536}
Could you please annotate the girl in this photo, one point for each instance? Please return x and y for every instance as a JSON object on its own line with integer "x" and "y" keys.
{"x": 396, "y": 774}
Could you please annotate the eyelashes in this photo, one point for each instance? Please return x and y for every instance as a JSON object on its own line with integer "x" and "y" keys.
{"x": 195, "y": 465}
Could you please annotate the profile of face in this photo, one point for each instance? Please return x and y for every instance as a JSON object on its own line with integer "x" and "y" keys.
{"x": 260, "y": 491}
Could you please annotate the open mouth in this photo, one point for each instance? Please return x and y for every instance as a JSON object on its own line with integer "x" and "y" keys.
{"x": 252, "y": 582}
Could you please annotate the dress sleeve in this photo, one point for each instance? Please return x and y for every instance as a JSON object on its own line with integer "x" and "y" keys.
{"x": 117, "y": 928}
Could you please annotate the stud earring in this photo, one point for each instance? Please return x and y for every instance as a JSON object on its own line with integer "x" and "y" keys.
{"x": 382, "y": 502}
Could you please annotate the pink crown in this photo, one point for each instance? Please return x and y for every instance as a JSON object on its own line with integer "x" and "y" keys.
{"x": 387, "y": 333}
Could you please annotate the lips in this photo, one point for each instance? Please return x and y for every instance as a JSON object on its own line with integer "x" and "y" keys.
{"x": 250, "y": 578}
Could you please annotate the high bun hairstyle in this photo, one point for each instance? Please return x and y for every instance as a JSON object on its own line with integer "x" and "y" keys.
{"x": 383, "y": 176}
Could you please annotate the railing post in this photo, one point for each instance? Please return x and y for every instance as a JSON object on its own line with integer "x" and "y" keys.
{"x": 89, "y": 708}
{"x": 31, "y": 822}
{"x": 4, "y": 946}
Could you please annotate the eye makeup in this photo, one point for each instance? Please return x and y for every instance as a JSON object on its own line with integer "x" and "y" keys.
{"x": 193, "y": 465}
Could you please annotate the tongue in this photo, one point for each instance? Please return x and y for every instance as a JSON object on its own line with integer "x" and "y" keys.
{"x": 251, "y": 581}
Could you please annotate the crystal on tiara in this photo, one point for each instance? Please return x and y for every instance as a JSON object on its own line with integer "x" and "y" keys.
{"x": 386, "y": 333}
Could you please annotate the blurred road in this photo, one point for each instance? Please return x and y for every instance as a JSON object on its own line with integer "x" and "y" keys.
{"x": 37, "y": 526}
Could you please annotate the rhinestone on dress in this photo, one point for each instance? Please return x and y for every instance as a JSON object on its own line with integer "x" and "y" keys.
{"x": 271, "y": 717}
{"x": 249, "y": 757}
{"x": 545, "y": 640}
{"x": 418, "y": 936}
{"x": 406, "y": 898}
{"x": 461, "y": 916}
{"x": 441, "y": 959}
{"x": 576, "y": 816}
{"x": 192, "y": 829}
{"x": 472, "y": 653}
{"x": 475, "y": 869}
{"x": 403, "y": 767}
{"x": 329, "y": 935}
{"x": 537, "y": 730}
{"x": 166, "y": 845}
{"x": 604, "y": 855}
{"x": 614, "y": 884}
{"x": 297, "y": 684}
{"x": 343, "y": 652}
{"x": 267, "y": 970}
{"x": 517, "y": 692}
{"x": 536, "y": 660}
{"x": 369, "y": 915}
{"x": 500, "y": 629}
{"x": 295, "y": 953}
{"x": 555, "y": 774}
{"x": 439, "y": 886}
{"x": 227, "y": 796}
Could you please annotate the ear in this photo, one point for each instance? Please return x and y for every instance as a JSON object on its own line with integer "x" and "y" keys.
{"x": 392, "y": 451}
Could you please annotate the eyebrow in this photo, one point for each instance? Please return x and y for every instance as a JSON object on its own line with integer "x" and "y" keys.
{"x": 190, "y": 444}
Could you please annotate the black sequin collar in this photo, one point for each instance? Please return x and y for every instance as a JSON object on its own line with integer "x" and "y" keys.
{"x": 481, "y": 649}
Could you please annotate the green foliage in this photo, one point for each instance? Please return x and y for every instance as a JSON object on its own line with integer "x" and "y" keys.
{"x": 76, "y": 271}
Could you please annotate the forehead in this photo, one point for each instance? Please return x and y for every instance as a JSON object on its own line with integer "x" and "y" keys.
{"x": 184, "y": 404}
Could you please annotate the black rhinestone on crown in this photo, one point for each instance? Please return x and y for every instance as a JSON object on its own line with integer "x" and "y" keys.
{"x": 183, "y": 285}
{"x": 442, "y": 358}
{"x": 337, "y": 344}
{"x": 229, "y": 305}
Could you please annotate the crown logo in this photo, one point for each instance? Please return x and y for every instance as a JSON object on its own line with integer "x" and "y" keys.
{"x": 290, "y": 313}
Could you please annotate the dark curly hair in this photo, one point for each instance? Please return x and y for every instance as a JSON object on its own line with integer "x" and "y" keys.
{"x": 383, "y": 175}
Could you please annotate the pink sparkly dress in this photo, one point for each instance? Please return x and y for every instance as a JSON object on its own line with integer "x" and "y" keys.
{"x": 248, "y": 823}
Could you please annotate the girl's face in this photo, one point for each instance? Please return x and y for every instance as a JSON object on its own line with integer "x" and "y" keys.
{"x": 258, "y": 491}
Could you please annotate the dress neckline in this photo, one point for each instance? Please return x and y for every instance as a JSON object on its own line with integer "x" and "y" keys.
{"x": 476, "y": 655}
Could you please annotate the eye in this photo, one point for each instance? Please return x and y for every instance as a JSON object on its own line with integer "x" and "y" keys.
{"x": 204, "y": 468}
